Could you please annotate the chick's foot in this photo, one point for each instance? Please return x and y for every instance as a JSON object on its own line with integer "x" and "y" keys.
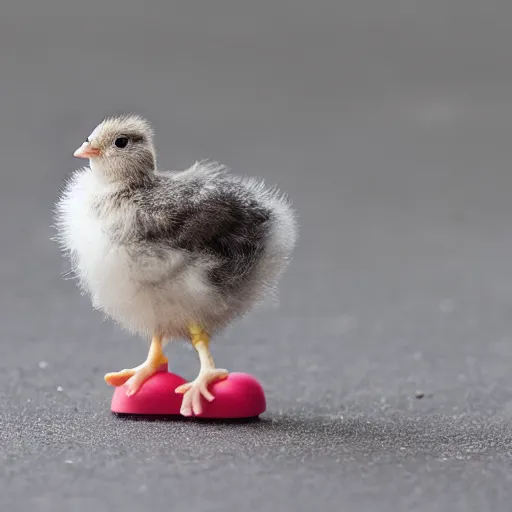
{"x": 193, "y": 391}
{"x": 132, "y": 378}
{"x": 135, "y": 377}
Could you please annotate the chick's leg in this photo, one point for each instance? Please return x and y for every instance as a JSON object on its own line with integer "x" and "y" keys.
{"x": 135, "y": 377}
{"x": 193, "y": 391}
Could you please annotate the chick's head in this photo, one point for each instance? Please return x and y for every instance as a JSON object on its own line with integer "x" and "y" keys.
{"x": 121, "y": 149}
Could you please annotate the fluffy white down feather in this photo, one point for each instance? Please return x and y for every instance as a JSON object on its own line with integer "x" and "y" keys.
{"x": 116, "y": 281}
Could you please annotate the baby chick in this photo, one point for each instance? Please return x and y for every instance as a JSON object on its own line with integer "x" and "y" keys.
{"x": 169, "y": 255}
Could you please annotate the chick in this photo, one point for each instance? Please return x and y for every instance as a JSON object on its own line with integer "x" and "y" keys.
{"x": 169, "y": 255}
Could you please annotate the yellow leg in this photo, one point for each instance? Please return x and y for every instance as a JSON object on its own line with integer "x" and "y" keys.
{"x": 193, "y": 391}
{"x": 135, "y": 377}
{"x": 201, "y": 342}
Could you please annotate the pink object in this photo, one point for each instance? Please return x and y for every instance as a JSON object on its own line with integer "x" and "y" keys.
{"x": 238, "y": 396}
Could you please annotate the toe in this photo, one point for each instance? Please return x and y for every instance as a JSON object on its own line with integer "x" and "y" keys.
{"x": 132, "y": 385}
{"x": 119, "y": 378}
{"x": 135, "y": 382}
{"x": 204, "y": 391}
{"x": 197, "y": 407}
{"x": 181, "y": 390}
{"x": 186, "y": 409}
{"x": 219, "y": 374}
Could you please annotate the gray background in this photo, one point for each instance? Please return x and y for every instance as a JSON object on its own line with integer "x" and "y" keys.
{"x": 389, "y": 123}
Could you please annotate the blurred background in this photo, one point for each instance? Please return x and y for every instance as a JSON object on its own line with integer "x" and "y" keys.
{"x": 389, "y": 123}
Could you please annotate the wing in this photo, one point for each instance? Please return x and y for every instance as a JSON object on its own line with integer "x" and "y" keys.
{"x": 221, "y": 218}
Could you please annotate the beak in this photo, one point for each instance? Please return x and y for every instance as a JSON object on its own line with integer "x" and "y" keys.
{"x": 86, "y": 151}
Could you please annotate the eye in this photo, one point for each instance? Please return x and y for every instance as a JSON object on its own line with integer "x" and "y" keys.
{"x": 121, "y": 142}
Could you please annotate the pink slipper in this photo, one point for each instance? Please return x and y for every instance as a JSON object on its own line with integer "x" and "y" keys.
{"x": 238, "y": 396}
